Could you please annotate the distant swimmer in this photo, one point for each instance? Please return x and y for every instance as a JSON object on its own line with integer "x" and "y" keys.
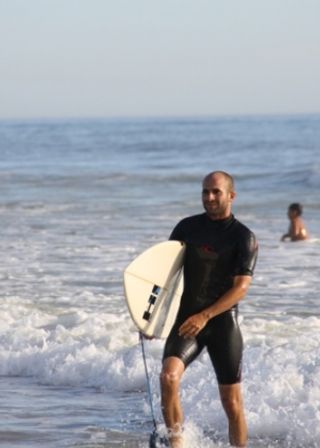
{"x": 297, "y": 230}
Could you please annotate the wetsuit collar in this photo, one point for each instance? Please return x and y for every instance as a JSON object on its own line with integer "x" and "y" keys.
{"x": 219, "y": 223}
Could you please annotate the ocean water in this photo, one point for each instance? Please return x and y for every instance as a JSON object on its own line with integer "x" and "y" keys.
{"x": 79, "y": 200}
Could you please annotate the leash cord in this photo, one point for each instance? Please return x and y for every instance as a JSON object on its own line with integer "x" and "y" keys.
{"x": 148, "y": 379}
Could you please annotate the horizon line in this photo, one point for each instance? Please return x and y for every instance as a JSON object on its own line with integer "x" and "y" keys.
{"x": 160, "y": 116}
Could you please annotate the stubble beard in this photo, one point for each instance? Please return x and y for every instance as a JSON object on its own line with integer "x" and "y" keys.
{"x": 219, "y": 212}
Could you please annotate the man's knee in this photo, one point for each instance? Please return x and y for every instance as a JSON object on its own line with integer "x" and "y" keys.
{"x": 172, "y": 371}
{"x": 232, "y": 406}
{"x": 232, "y": 401}
{"x": 169, "y": 378}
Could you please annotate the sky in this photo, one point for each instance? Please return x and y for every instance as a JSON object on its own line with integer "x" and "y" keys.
{"x": 141, "y": 58}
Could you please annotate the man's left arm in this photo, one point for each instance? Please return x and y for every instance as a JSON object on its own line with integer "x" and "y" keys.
{"x": 195, "y": 323}
{"x": 245, "y": 264}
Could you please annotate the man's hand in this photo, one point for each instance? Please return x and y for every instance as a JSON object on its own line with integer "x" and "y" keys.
{"x": 193, "y": 325}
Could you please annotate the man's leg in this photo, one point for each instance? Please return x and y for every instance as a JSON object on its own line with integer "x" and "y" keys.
{"x": 172, "y": 371}
{"x": 231, "y": 398}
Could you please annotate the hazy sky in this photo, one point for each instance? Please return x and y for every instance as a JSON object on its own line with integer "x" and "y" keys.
{"x": 83, "y": 58}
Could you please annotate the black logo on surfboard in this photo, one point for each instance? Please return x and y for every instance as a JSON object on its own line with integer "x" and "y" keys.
{"x": 151, "y": 302}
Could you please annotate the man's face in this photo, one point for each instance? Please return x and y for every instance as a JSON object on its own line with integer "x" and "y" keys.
{"x": 216, "y": 197}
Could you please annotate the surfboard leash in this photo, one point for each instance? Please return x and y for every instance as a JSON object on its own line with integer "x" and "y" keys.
{"x": 155, "y": 440}
{"x": 148, "y": 379}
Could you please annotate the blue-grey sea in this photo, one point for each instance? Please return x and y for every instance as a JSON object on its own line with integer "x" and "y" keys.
{"x": 79, "y": 199}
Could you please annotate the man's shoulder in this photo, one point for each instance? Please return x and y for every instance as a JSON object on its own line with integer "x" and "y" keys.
{"x": 191, "y": 220}
{"x": 243, "y": 229}
{"x": 185, "y": 226}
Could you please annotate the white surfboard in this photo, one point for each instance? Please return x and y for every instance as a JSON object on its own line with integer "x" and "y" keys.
{"x": 153, "y": 284}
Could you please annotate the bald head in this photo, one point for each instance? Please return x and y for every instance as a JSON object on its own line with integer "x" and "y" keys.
{"x": 221, "y": 175}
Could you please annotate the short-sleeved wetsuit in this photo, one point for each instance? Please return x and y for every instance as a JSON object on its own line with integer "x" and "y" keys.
{"x": 216, "y": 252}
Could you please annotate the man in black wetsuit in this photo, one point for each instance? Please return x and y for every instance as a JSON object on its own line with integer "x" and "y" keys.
{"x": 219, "y": 262}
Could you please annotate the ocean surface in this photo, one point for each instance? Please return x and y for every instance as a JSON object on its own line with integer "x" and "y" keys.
{"x": 79, "y": 199}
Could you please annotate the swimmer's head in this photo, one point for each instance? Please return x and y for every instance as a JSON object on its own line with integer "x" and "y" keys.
{"x": 295, "y": 208}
